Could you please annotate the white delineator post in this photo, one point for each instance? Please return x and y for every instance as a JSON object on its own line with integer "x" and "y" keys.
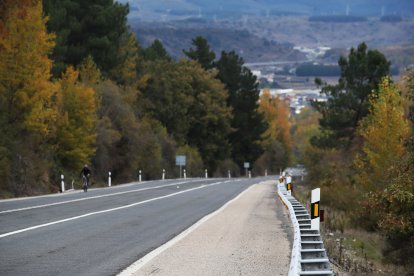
{"x": 250, "y": 174}
{"x": 229, "y": 173}
{"x": 62, "y": 183}
{"x": 206, "y": 173}
{"x": 315, "y": 208}
{"x": 140, "y": 177}
{"x": 265, "y": 172}
{"x": 185, "y": 175}
{"x": 163, "y": 174}
{"x": 109, "y": 179}
{"x": 289, "y": 185}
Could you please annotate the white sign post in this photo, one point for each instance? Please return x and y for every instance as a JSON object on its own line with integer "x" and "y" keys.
{"x": 246, "y": 166}
{"x": 140, "y": 176}
{"x": 315, "y": 208}
{"x": 109, "y": 179}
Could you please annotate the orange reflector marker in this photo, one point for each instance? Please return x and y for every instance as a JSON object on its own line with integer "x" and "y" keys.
{"x": 316, "y": 210}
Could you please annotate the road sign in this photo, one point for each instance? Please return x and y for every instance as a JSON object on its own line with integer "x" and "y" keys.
{"x": 180, "y": 160}
{"x": 246, "y": 165}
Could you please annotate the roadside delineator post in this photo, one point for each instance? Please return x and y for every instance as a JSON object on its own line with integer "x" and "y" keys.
{"x": 265, "y": 172}
{"x": 140, "y": 176}
{"x": 289, "y": 185}
{"x": 250, "y": 174}
{"x": 109, "y": 179}
{"x": 229, "y": 173}
{"x": 62, "y": 183}
{"x": 206, "y": 173}
{"x": 163, "y": 174}
{"x": 185, "y": 175}
{"x": 315, "y": 208}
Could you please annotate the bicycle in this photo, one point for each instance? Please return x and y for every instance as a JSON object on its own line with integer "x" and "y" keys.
{"x": 85, "y": 183}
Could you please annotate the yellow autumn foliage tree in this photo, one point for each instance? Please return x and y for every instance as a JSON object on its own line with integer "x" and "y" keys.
{"x": 76, "y": 134}
{"x": 384, "y": 131}
{"x": 25, "y": 66}
{"x": 27, "y": 107}
{"x": 277, "y": 141}
{"x": 276, "y": 113}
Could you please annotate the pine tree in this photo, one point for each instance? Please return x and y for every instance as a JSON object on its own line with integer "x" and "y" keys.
{"x": 248, "y": 122}
{"x": 348, "y": 101}
{"x": 202, "y": 53}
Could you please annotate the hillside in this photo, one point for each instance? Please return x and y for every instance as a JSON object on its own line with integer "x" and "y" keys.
{"x": 174, "y": 9}
{"x": 251, "y": 47}
{"x": 261, "y": 39}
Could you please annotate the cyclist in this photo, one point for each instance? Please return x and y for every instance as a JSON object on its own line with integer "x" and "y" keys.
{"x": 85, "y": 173}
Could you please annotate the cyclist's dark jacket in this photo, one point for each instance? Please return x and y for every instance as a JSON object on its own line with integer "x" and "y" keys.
{"x": 86, "y": 171}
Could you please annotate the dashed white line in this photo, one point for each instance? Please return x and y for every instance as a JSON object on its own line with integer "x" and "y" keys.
{"x": 105, "y": 211}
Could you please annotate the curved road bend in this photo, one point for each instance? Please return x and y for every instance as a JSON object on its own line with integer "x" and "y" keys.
{"x": 103, "y": 231}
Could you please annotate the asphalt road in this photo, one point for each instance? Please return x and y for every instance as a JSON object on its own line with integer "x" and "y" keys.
{"x": 103, "y": 231}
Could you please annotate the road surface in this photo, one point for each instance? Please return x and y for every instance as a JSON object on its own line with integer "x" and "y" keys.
{"x": 247, "y": 236}
{"x": 103, "y": 231}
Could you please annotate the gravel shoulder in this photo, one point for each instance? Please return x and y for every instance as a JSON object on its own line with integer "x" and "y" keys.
{"x": 251, "y": 236}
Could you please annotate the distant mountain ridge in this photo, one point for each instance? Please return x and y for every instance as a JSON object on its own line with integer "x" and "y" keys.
{"x": 161, "y": 10}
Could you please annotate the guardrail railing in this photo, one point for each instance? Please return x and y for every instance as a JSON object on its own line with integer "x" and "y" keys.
{"x": 308, "y": 253}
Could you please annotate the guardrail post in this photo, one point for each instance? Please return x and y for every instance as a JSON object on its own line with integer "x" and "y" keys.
{"x": 315, "y": 207}
{"x": 140, "y": 176}
{"x": 163, "y": 174}
{"x": 62, "y": 183}
{"x": 109, "y": 179}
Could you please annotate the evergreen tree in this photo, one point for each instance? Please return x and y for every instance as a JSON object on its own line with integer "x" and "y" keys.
{"x": 348, "y": 101}
{"x": 248, "y": 123}
{"x": 202, "y": 53}
{"x": 86, "y": 27}
{"x": 155, "y": 52}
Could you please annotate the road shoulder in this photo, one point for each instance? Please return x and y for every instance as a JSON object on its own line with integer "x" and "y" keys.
{"x": 250, "y": 236}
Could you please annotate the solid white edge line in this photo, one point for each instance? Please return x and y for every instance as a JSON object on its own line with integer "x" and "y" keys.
{"x": 105, "y": 211}
{"x": 133, "y": 268}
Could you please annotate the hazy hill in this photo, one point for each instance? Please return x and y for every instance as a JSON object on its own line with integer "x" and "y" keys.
{"x": 172, "y": 9}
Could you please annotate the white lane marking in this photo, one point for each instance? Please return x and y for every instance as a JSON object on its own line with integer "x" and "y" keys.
{"x": 132, "y": 269}
{"x": 106, "y": 211}
{"x": 94, "y": 197}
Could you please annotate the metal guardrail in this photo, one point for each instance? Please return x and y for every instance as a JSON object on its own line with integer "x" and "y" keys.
{"x": 308, "y": 253}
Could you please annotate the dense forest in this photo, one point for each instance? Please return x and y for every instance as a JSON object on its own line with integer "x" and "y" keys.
{"x": 77, "y": 88}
